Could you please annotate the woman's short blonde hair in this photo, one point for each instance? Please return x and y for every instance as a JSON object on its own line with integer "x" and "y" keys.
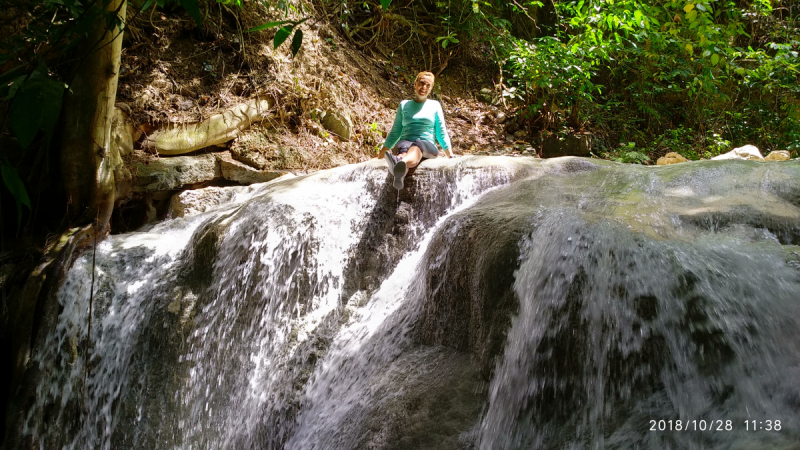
{"x": 426, "y": 75}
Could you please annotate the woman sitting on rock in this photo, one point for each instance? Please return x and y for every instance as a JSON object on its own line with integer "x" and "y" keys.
{"x": 415, "y": 125}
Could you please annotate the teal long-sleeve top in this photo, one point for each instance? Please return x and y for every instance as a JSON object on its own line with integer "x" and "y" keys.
{"x": 418, "y": 121}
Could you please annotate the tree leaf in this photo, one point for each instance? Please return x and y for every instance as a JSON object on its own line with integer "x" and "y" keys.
{"x": 10, "y": 74}
{"x": 17, "y": 188}
{"x": 297, "y": 41}
{"x": 267, "y": 26}
{"x": 688, "y": 7}
{"x": 9, "y": 89}
{"x": 714, "y": 59}
{"x": 146, "y": 5}
{"x": 193, "y": 8}
{"x": 36, "y": 107}
{"x": 385, "y": 4}
{"x": 281, "y": 36}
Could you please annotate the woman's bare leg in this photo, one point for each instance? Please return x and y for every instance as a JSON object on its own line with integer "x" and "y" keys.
{"x": 412, "y": 157}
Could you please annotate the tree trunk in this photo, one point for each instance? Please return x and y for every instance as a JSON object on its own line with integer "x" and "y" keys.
{"x": 86, "y": 124}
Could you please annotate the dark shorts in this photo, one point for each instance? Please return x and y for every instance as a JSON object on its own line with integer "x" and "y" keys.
{"x": 428, "y": 148}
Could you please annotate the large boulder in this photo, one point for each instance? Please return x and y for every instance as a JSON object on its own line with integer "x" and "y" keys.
{"x": 338, "y": 123}
{"x": 670, "y": 158}
{"x": 778, "y": 155}
{"x": 747, "y": 152}
{"x": 172, "y": 173}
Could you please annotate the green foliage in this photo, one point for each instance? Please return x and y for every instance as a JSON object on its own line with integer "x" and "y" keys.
{"x": 660, "y": 63}
{"x": 628, "y": 154}
{"x": 550, "y": 73}
{"x": 14, "y": 184}
{"x": 717, "y": 144}
{"x": 36, "y": 106}
{"x": 449, "y": 39}
{"x": 286, "y": 27}
{"x": 193, "y": 8}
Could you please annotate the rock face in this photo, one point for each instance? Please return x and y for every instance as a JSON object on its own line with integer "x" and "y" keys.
{"x": 670, "y": 158}
{"x": 194, "y": 201}
{"x": 215, "y": 130}
{"x": 573, "y": 145}
{"x": 338, "y": 123}
{"x": 747, "y": 152}
{"x": 493, "y": 303}
{"x": 486, "y": 95}
{"x": 233, "y": 170}
{"x": 172, "y": 173}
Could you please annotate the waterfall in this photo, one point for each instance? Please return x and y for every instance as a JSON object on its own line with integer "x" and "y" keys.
{"x": 494, "y": 303}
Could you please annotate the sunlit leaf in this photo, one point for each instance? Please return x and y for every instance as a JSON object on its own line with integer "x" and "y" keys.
{"x": 385, "y": 4}
{"x": 281, "y": 35}
{"x": 688, "y": 7}
{"x": 714, "y": 59}
{"x": 297, "y": 41}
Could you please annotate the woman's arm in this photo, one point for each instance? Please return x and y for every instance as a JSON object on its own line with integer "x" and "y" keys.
{"x": 395, "y": 133}
{"x": 440, "y": 130}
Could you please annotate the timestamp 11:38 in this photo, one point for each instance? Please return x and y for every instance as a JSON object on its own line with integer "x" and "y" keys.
{"x": 763, "y": 425}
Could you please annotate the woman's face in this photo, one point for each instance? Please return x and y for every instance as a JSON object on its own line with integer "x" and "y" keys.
{"x": 422, "y": 87}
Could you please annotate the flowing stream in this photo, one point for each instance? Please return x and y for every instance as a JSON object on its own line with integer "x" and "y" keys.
{"x": 496, "y": 303}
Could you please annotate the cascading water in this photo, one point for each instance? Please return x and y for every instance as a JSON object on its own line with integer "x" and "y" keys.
{"x": 497, "y": 303}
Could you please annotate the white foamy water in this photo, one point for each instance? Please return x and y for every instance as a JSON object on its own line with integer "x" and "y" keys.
{"x": 196, "y": 319}
{"x": 345, "y": 387}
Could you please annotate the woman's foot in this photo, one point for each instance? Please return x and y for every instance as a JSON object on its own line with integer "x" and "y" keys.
{"x": 391, "y": 160}
{"x": 399, "y": 173}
